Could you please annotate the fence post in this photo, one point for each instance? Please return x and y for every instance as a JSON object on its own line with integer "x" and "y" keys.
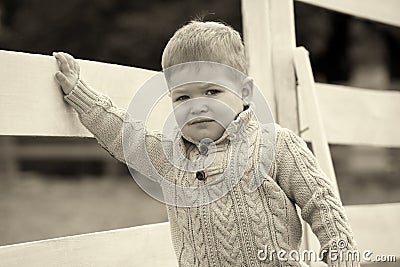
{"x": 269, "y": 35}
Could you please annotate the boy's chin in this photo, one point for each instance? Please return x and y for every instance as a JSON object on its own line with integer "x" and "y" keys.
{"x": 198, "y": 136}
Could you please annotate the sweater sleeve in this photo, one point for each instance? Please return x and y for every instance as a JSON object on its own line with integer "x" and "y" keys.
{"x": 113, "y": 128}
{"x": 304, "y": 182}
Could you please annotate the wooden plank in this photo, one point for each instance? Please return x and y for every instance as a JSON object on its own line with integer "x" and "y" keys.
{"x": 355, "y": 116}
{"x": 151, "y": 245}
{"x": 257, "y": 35}
{"x": 386, "y": 11}
{"x": 148, "y": 245}
{"x": 268, "y": 27}
{"x": 375, "y": 228}
{"x": 31, "y": 103}
{"x": 283, "y": 42}
{"x": 309, "y": 100}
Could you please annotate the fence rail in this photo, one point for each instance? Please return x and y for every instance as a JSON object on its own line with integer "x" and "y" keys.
{"x": 356, "y": 116}
{"x": 386, "y": 11}
{"x": 33, "y": 104}
{"x": 150, "y": 245}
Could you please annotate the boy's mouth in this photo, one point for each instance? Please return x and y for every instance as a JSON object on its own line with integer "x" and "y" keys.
{"x": 199, "y": 120}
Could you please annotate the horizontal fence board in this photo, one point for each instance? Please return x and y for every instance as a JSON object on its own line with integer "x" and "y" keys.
{"x": 31, "y": 102}
{"x": 386, "y": 11}
{"x": 148, "y": 245}
{"x": 354, "y": 116}
{"x": 375, "y": 229}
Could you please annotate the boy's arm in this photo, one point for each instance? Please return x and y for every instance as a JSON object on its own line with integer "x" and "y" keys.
{"x": 302, "y": 179}
{"x": 124, "y": 138}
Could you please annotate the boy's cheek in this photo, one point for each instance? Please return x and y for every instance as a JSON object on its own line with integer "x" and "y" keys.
{"x": 180, "y": 118}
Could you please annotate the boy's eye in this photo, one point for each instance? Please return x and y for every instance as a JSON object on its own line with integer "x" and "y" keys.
{"x": 182, "y": 97}
{"x": 212, "y": 92}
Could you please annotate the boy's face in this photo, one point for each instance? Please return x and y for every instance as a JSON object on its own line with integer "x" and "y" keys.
{"x": 205, "y": 109}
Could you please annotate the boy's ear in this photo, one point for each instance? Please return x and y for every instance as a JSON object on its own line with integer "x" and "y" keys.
{"x": 247, "y": 89}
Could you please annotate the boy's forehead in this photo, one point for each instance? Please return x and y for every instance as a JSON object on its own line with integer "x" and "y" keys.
{"x": 204, "y": 74}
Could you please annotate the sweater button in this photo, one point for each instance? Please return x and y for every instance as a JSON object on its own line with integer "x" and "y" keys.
{"x": 203, "y": 149}
{"x": 200, "y": 175}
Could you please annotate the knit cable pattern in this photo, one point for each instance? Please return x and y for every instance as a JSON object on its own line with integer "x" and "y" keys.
{"x": 321, "y": 208}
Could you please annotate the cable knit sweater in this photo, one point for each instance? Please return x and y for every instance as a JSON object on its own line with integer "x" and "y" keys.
{"x": 231, "y": 230}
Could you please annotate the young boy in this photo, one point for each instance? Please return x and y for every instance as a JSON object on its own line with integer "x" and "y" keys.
{"x": 253, "y": 212}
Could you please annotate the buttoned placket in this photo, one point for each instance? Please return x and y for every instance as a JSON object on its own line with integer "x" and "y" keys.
{"x": 205, "y": 169}
{"x": 201, "y": 175}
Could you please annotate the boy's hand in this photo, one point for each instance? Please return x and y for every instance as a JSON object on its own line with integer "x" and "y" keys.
{"x": 68, "y": 75}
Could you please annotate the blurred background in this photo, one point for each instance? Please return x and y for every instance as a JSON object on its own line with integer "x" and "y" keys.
{"x": 65, "y": 186}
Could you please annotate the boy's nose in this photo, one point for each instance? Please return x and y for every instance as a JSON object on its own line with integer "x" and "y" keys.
{"x": 198, "y": 109}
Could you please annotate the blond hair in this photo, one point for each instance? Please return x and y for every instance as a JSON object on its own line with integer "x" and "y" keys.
{"x": 205, "y": 41}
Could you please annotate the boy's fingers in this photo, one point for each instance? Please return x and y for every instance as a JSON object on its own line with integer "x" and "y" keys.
{"x": 67, "y": 56}
{"x": 62, "y": 62}
{"x": 63, "y": 81}
{"x": 70, "y": 59}
{"x": 60, "y": 77}
{"x": 69, "y": 71}
{"x": 77, "y": 68}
